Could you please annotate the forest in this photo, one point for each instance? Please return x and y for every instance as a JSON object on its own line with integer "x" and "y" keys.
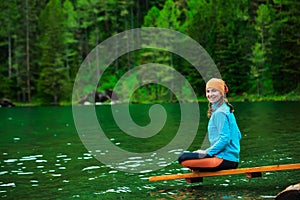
{"x": 254, "y": 43}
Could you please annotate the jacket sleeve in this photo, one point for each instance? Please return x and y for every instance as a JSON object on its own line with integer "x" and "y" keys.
{"x": 222, "y": 139}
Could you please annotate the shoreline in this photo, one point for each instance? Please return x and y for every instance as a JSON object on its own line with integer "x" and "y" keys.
{"x": 248, "y": 98}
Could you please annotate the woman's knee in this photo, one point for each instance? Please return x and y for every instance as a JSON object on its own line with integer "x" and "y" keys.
{"x": 187, "y": 156}
{"x": 182, "y": 157}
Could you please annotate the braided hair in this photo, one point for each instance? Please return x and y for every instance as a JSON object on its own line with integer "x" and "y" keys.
{"x": 211, "y": 110}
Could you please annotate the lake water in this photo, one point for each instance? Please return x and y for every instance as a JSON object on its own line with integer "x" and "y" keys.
{"x": 43, "y": 157}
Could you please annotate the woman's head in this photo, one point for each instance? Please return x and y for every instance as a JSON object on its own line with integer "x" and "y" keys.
{"x": 218, "y": 84}
{"x": 215, "y": 90}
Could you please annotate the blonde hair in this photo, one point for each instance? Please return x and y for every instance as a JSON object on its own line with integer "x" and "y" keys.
{"x": 211, "y": 110}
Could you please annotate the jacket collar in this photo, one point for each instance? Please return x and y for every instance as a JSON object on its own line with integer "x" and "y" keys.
{"x": 216, "y": 105}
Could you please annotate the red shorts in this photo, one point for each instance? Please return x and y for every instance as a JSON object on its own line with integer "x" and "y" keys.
{"x": 203, "y": 163}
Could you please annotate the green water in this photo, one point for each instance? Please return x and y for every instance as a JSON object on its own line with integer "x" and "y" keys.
{"x": 42, "y": 156}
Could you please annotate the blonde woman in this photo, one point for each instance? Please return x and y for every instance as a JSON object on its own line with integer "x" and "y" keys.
{"x": 223, "y": 134}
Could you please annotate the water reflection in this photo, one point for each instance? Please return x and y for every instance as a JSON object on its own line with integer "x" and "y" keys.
{"x": 44, "y": 155}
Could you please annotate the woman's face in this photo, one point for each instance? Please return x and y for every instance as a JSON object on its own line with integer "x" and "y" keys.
{"x": 213, "y": 95}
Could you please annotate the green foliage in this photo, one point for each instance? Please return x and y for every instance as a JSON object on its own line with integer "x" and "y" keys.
{"x": 221, "y": 28}
{"x": 286, "y": 48}
{"x": 107, "y": 81}
{"x": 255, "y": 44}
{"x": 70, "y": 52}
{"x": 52, "y": 34}
{"x": 261, "y": 50}
{"x": 151, "y": 18}
{"x": 52, "y": 86}
{"x": 168, "y": 16}
{"x": 6, "y": 86}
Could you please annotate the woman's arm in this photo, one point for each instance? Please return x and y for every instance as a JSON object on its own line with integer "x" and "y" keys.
{"x": 222, "y": 135}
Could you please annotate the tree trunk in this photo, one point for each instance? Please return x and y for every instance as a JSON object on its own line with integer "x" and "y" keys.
{"x": 9, "y": 56}
{"x": 263, "y": 62}
{"x": 172, "y": 80}
{"x": 27, "y": 54}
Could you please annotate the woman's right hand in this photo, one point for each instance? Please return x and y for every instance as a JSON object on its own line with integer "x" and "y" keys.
{"x": 200, "y": 151}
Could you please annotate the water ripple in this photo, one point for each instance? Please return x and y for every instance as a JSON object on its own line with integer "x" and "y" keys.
{"x": 3, "y": 172}
{"x": 8, "y": 185}
{"x": 90, "y": 168}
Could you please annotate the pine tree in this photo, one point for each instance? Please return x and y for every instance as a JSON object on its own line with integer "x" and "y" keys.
{"x": 229, "y": 52}
{"x": 262, "y": 49}
{"x": 286, "y": 48}
{"x": 53, "y": 48}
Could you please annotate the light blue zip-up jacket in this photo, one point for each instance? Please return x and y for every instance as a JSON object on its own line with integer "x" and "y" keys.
{"x": 223, "y": 134}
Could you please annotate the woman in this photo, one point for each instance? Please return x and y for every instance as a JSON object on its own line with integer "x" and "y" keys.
{"x": 223, "y": 134}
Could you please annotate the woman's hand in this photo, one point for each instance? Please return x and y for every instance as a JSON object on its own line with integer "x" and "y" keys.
{"x": 200, "y": 151}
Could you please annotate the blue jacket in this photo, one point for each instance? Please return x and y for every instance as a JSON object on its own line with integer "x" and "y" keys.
{"x": 223, "y": 134}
